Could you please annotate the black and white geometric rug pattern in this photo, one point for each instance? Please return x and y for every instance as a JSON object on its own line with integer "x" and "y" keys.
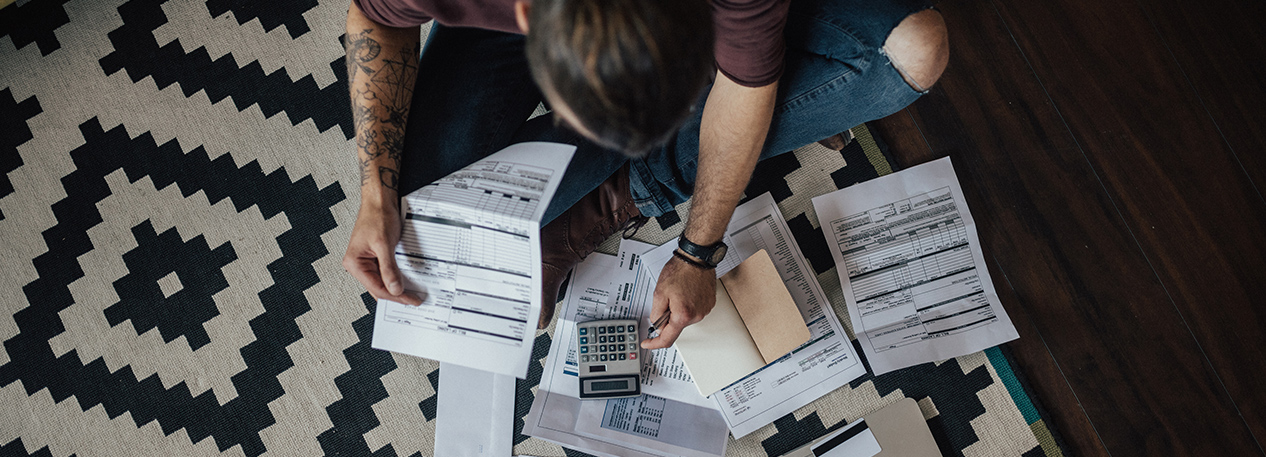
{"x": 177, "y": 187}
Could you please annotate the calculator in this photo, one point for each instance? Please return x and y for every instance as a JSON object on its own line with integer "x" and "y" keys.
{"x": 608, "y": 354}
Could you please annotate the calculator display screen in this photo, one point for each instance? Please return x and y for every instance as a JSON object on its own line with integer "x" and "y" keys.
{"x": 598, "y": 386}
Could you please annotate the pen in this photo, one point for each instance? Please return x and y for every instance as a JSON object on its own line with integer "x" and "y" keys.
{"x": 658, "y": 323}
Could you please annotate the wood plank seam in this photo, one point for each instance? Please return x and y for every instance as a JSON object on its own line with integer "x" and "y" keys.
{"x": 922, "y": 136}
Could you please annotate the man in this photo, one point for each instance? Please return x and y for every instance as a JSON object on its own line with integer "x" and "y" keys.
{"x": 624, "y": 79}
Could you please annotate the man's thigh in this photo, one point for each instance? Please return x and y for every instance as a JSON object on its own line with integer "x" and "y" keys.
{"x": 473, "y": 91}
{"x": 837, "y": 75}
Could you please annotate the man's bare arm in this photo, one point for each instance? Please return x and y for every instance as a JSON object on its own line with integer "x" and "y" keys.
{"x": 735, "y": 121}
{"x": 382, "y": 67}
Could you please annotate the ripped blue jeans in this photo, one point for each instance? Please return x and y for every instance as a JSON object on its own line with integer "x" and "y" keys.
{"x": 474, "y": 94}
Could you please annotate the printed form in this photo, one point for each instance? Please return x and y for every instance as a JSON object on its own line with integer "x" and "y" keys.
{"x": 671, "y": 418}
{"x": 909, "y": 260}
{"x": 470, "y": 248}
{"x": 824, "y": 363}
{"x": 663, "y": 371}
{"x": 648, "y": 425}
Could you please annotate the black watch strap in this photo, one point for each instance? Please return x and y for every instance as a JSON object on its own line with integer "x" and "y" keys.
{"x": 677, "y": 253}
{"x": 708, "y": 255}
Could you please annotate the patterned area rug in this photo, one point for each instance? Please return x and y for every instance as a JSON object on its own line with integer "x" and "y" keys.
{"x": 176, "y": 190}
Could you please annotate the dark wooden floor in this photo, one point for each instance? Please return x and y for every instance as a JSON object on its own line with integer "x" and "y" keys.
{"x": 1112, "y": 153}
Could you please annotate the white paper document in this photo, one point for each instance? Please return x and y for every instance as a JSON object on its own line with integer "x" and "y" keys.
{"x": 826, "y": 362}
{"x": 474, "y": 413}
{"x": 909, "y": 260}
{"x": 470, "y": 247}
{"x": 602, "y": 287}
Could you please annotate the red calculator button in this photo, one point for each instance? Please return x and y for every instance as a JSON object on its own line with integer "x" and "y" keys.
{"x": 633, "y": 355}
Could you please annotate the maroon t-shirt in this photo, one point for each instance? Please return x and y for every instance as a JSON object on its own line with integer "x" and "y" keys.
{"x": 749, "y": 40}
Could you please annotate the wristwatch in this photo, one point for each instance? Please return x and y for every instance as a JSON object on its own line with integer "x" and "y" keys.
{"x": 710, "y": 255}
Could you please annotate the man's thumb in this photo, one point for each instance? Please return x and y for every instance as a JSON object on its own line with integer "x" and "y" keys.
{"x": 390, "y": 274}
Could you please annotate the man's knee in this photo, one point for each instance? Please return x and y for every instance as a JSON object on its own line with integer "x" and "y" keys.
{"x": 919, "y": 48}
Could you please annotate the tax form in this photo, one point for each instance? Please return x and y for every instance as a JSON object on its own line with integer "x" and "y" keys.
{"x": 824, "y": 363}
{"x": 909, "y": 260}
{"x": 471, "y": 248}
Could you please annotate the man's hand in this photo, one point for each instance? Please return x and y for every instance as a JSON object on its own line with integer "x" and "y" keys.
{"x": 689, "y": 292}
{"x": 735, "y": 122}
{"x": 382, "y": 64}
{"x": 370, "y": 254}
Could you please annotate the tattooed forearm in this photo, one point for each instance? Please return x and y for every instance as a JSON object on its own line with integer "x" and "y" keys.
{"x": 389, "y": 177}
{"x": 364, "y": 171}
{"x": 392, "y": 143}
{"x": 382, "y": 67}
{"x": 361, "y": 50}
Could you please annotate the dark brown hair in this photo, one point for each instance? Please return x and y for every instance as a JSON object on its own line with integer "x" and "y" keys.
{"x": 630, "y": 70}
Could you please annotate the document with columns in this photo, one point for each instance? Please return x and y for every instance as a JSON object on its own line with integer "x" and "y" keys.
{"x": 909, "y": 260}
{"x": 471, "y": 249}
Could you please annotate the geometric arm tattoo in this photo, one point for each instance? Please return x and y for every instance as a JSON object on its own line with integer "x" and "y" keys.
{"x": 381, "y": 83}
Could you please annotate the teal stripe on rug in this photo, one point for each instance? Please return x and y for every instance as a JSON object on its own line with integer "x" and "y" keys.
{"x": 1003, "y": 368}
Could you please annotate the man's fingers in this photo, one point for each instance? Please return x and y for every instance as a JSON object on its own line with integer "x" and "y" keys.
{"x": 393, "y": 280}
{"x": 366, "y": 270}
{"x": 659, "y": 306}
{"x": 367, "y": 275}
{"x": 667, "y": 336}
{"x": 390, "y": 273}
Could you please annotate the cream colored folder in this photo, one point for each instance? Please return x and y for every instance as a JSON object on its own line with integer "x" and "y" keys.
{"x": 755, "y": 322}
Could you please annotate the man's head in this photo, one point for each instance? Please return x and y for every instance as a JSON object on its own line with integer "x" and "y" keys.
{"x": 624, "y": 73}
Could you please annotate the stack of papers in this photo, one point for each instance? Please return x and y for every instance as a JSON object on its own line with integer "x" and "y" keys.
{"x": 908, "y": 257}
{"x": 825, "y": 363}
{"x": 671, "y": 417}
{"x": 650, "y": 425}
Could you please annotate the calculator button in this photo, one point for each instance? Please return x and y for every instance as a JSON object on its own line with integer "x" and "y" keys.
{"x": 584, "y": 340}
{"x": 602, "y": 348}
{"x": 610, "y": 329}
{"x": 602, "y": 330}
{"x": 584, "y": 349}
{"x": 621, "y": 348}
{"x": 620, "y": 339}
{"x": 584, "y": 331}
{"x": 619, "y": 329}
{"x": 584, "y": 358}
{"x": 602, "y": 339}
{"x": 603, "y": 358}
{"x": 621, "y": 356}
{"x": 632, "y": 356}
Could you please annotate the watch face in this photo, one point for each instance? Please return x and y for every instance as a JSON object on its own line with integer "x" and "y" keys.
{"x": 719, "y": 254}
